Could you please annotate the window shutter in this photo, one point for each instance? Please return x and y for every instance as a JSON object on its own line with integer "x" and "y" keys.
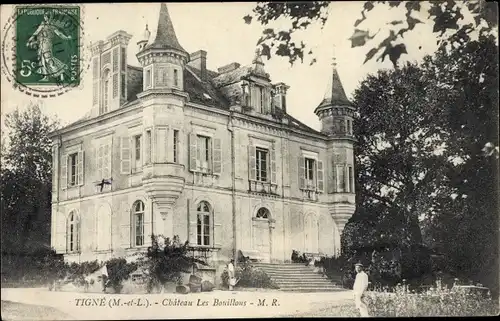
{"x": 217, "y": 156}
{"x": 192, "y": 216}
{"x": 107, "y": 160}
{"x": 217, "y": 232}
{"x": 273, "y": 166}
{"x": 320, "y": 177}
{"x": 125, "y": 227}
{"x": 251, "y": 162}
{"x": 80, "y": 167}
{"x": 302, "y": 172}
{"x": 125, "y": 155}
{"x": 77, "y": 233}
{"x": 64, "y": 171}
{"x": 193, "y": 148}
{"x": 60, "y": 236}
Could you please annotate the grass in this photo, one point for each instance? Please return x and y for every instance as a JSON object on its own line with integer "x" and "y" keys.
{"x": 20, "y": 311}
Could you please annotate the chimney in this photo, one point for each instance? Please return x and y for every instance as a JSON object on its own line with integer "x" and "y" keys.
{"x": 198, "y": 60}
{"x": 227, "y": 68}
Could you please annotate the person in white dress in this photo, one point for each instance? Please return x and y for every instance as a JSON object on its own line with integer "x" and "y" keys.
{"x": 359, "y": 289}
{"x": 230, "y": 272}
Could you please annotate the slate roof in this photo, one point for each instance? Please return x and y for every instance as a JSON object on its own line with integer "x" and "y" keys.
{"x": 165, "y": 33}
{"x": 217, "y": 90}
{"x": 335, "y": 94}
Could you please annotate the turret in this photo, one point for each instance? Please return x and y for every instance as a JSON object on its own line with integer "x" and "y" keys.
{"x": 163, "y": 59}
{"x": 335, "y": 111}
{"x": 145, "y": 38}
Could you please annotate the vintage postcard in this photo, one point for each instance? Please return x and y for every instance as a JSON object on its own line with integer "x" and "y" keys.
{"x": 249, "y": 160}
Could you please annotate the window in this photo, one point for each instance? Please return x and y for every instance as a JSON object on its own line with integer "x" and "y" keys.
{"x": 103, "y": 160}
{"x": 351, "y": 180}
{"x": 204, "y": 152}
{"x": 148, "y": 78}
{"x": 348, "y": 125}
{"x": 176, "y": 78}
{"x": 72, "y": 233}
{"x": 261, "y": 164}
{"x": 340, "y": 179}
{"x": 137, "y": 147}
{"x": 263, "y": 213}
{"x": 138, "y": 224}
{"x": 176, "y": 142}
{"x": 73, "y": 169}
{"x": 310, "y": 168}
{"x": 203, "y": 224}
{"x": 148, "y": 146}
{"x": 262, "y": 99}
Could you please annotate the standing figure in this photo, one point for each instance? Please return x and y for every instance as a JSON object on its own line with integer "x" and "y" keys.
{"x": 43, "y": 39}
{"x": 230, "y": 272}
{"x": 104, "y": 277}
{"x": 359, "y": 288}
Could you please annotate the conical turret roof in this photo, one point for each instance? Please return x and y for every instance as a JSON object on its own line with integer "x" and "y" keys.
{"x": 335, "y": 94}
{"x": 165, "y": 33}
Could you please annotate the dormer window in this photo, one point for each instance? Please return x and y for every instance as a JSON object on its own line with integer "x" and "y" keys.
{"x": 259, "y": 99}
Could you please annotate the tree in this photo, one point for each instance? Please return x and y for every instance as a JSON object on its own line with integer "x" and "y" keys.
{"x": 422, "y": 154}
{"x": 465, "y": 224}
{"x": 445, "y": 17}
{"x": 26, "y": 179}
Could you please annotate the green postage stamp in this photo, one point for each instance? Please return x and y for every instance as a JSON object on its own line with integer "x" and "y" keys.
{"x": 47, "y": 46}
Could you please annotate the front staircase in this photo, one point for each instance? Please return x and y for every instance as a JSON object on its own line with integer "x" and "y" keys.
{"x": 296, "y": 277}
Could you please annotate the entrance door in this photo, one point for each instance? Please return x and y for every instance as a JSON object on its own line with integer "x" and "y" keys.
{"x": 261, "y": 234}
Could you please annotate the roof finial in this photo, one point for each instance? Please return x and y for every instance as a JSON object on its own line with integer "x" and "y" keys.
{"x": 334, "y": 59}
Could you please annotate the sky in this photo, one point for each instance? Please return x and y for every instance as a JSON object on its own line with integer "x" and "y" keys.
{"x": 219, "y": 29}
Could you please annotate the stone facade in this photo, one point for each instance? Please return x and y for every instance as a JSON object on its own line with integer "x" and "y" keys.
{"x": 212, "y": 157}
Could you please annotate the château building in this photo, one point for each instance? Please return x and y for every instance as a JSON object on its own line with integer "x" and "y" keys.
{"x": 173, "y": 148}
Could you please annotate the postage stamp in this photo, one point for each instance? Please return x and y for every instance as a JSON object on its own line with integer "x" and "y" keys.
{"x": 47, "y": 46}
{"x": 45, "y": 43}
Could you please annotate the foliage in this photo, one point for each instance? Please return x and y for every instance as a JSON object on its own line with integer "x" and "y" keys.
{"x": 37, "y": 267}
{"x": 426, "y": 154}
{"x": 76, "y": 272}
{"x": 119, "y": 270}
{"x": 452, "y": 22}
{"x": 435, "y": 302}
{"x": 249, "y": 277}
{"x": 166, "y": 263}
{"x": 25, "y": 179}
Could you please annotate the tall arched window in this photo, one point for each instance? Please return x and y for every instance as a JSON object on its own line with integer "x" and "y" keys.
{"x": 106, "y": 91}
{"x": 73, "y": 233}
{"x": 138, "y": 224}
{"x": 263, "y": 213}
{"x": 204, "y": 222}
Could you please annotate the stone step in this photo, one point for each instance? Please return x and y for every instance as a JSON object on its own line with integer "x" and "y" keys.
{"x": 302, "y": 277}
{"x": 294, "y": 283}
{"x": 304, "y": 290}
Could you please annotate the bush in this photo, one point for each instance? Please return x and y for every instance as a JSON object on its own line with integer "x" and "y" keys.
{"x": 167, "y": 263}
{"x": 119, "y": 270}
{"x": 76, "y": 272}
{"x": 249, "y": 277}
{"x": 434, "y": 302}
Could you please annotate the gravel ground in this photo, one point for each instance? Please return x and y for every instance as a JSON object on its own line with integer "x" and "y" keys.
{"x": 20, "y": 311}
{"x": 326, "y": 304}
